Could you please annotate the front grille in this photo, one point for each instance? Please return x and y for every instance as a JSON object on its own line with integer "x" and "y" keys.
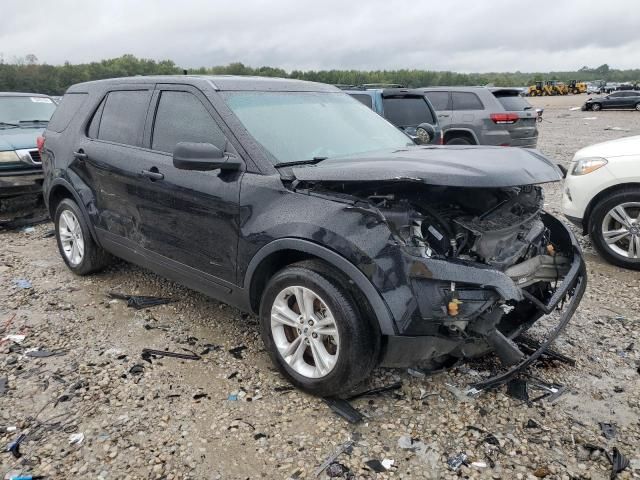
{"x": 35, "y": 156}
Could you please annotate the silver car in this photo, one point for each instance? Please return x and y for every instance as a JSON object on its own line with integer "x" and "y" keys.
{"x": 484, "y": 116}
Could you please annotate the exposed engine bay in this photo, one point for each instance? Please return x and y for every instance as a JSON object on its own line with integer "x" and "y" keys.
{"x": 487, "y": 262}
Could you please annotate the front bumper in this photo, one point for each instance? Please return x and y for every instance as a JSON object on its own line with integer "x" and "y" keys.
{"x": 408, "y": 350}
{"x": 20, "y": 182}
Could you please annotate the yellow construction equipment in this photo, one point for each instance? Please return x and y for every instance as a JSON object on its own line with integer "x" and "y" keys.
{"x": 540, "y": 89}
{"x": 577, "y": 88}
{"x": 560, "y": 88}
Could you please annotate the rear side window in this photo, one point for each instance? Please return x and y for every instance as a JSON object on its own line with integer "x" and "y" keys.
{"x": 181, "y": 117}
{"x": 68, "y": 107}
{"x": 364, "y": 99}
{"x": 407, "y": 111}
{"x": 123, "y": 117}
{"x": 512, "y": 102}
{"x": 439, "y": 100}
{"x": 466, "y": 101}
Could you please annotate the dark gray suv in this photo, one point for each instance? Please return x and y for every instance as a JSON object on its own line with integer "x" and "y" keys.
{"x": 484, "y": 116}
{"x": 291, "y": 200}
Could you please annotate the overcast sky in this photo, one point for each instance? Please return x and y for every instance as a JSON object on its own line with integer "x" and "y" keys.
{"x": 460, "y": 35}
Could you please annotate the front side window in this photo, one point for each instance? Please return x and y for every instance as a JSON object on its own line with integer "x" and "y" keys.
{"x": 299, "y": 126}
{"x": 466, "y": 101}
{"x": 407, "y": 111}
{"x": 181, "y": 117}
{"x": 123, "y": 116}
{"x": 439, "y": 100}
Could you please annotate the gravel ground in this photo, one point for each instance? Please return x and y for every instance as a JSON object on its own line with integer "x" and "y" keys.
{"x": 237, "y": 418}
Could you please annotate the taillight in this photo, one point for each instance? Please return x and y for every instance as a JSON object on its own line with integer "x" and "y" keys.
{"x": 504, "y": 118}
{"x": 40, "y": 144}
{"x": 441, "y": 139}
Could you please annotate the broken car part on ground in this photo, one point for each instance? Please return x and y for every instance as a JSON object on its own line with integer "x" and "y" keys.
{"x": 355, "y": 246}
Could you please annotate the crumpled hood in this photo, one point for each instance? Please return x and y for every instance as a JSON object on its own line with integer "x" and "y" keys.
{"x": 19, "y": 138}
{"x": 453, "y": 166}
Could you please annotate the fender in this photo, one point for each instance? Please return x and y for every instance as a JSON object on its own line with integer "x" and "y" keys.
{"x": 380, "y": 309}
{"x": 61, "y": 182}
{"x": 459, "y": 129}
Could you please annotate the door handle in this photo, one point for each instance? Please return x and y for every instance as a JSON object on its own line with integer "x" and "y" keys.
{"x": 80, "y": 155}
{"x": 153, "y": 175}
{"x": 443, "y": 115}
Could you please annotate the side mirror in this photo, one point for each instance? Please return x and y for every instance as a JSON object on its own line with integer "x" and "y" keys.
{"x": 203, "y": 157}
{"x": 425, "y": 133}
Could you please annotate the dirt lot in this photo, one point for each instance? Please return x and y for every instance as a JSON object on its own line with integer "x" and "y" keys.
{"x": 236, "y": 418}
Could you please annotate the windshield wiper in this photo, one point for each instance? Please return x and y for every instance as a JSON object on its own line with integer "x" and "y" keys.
{"x": 8, "y": 124}
{"x": 34, "y": 121}
{"x": 313, "y": 161}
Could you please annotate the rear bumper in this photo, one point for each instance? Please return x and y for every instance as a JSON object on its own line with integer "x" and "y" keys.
{"x": 20, "y": 183}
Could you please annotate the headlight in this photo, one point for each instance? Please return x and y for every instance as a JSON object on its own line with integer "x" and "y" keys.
{"x": 9, "y": 156}
{"x": 588, "y": 165}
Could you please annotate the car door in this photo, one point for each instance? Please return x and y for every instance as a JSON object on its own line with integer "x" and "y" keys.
{"x": 108, "y": 156}
{"x": 188, "y": 217}
{"x": 614, "y": 100}
{"x": 441, "y": 101}
{"x": 466, "y": 110}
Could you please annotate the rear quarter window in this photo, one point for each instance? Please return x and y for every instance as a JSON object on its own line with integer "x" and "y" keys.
{"x": 64, "y": 113}
{"x": 466, "y": 101}
{"x": 364, "y": 99}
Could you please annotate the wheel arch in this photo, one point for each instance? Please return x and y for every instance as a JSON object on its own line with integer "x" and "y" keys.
{"x": 633, "y": 186}
{"x": 286, "y": 251}
{"x": 61, "y": 189}
{"x": 461, "y": 132}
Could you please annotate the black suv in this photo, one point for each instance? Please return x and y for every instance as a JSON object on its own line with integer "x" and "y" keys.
{"x": 285, "y": 198}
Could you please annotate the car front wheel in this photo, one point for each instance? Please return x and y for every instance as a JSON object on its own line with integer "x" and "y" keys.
{"x": 595, "y": 107}
{"x": 615, "y": 228}
{"x": 638, "y": 107}
{"x": 314, "y": 332}
{"x": 77, "y": 248}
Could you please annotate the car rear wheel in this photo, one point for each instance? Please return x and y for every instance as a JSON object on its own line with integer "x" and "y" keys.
{"x": 77, "y": 248}
{"x": 595, "y": 107}
{"x": 615, "y": 228}
{"x": 314, "y": 332}
{"x": 459, "y": 141}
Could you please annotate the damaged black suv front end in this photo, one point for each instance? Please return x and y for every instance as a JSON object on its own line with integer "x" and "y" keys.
{"x": 472, "y": 260}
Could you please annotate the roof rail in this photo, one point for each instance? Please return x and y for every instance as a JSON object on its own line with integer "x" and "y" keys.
{"x": 383, "y": 85}
{"x": 344, "y": 86}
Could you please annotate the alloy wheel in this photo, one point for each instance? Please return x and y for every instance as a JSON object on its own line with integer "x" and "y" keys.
{"x": 304, "y": 331}
{"x": 621, "y": 229}
{"x": 71, "y": 237}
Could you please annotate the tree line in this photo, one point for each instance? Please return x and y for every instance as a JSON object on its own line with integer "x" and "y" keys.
{"x": 28, "y": 75}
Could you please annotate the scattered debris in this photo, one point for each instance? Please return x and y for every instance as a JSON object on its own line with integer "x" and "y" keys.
{"x": 609, "y": 430}
{"x": 210, "y": 347}
{"x": 618, "y": 462}
{"x": 162, "y": 353}
{"x": 590, "y": 118}
{"x": 344, "y": 409}
{"x": 376, "y": 391}
{"x": 76, "y": 438}
{"x": 237, "y": 351}
{"x": 479, "y": 464}
{"x": 617, "y": 129}
{"x": 573, "y": 109}
{"x": 41, "y": 353}
{"x": 528, "y": 345}
{"x": 345, "y": 447}
{"x": 49, "y": 233}
{"x": 376, "y": 465}
{"x": 258, "y": 436}
{"x": 283, "y": 388}
{"x": 22, "y": 283}
{"x": 137, "y": 369}
{"x": 14, "y": 447}
{"x": 14, "y": 338}
{"x": 517, "y": 388}
{"x": 542, "y": 472}
{"x": 454, "y": 463}
{"x": 338, "y": 470}
{"x": 532, "y": 424}
{"x": 462, "y": 395}
{"x": 140, "y": 301}
{"x": 233, "y": 397}
{"x": 198, "y": 396}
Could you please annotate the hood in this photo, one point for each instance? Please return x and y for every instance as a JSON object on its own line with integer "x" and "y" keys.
{"x": 459, "y": 166}
{"x": 19, "y": 138}
{"x": 613, "y": 148}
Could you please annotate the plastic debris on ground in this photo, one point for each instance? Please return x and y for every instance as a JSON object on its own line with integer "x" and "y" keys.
{"x": 378, "y": 390}
{"x": 140, "y": 301}
{"x": 232, "y": 397}
{"x": 14, "y": 447}
{"x": 454, "y": 463}
{"x": 15, "y": 338}
{"x": 76, "y": 438}
{"x": 376, "y": 465}
{"x": 609, "y": 430}
{"x": 346, "y": 447}
{"x": 22, "y": 283}
{"x": 344, "y": 409}
{"x": 147, "y": 352}
{"x": 236, "y": 352}
{"x": 338, "y": 470}
{"x": 35, "y": 353}
{"x": 618, "y": 462}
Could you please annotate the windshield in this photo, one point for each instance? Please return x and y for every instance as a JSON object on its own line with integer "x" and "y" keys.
{"x": 14, "y": 110}
{"x": 407, "y": 111}
{"x": 511, "y": 101}
{"x": 299, "y": 126}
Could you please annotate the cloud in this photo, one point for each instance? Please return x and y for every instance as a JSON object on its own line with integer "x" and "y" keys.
{"x": 466, "y": 35}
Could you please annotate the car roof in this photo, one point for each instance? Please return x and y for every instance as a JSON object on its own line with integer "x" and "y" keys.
{"x": 219, "y": 82}
{"x": 22, "y": 94}
{"x": 454, "y": 89}
{"x": 385, "y": 91}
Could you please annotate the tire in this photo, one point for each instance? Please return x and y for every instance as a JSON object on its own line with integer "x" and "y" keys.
{"x": 638, "y": 107}
{"x": 604, "y": 219}
{"x": 596, "y": 107}
{"x": 75, "y": 243}
{"x": 459, "y": 141}
{"x": 352, "y": 353}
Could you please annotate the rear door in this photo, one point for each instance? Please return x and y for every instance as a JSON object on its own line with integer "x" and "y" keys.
{"x": 441, "y": 102}
{"x": 109, "y": 159}
{"x": 615, "y": 100}
{"x": 520, "y": 119}
{"x": 407, "y": 112}
{"x": 467, "y": 111}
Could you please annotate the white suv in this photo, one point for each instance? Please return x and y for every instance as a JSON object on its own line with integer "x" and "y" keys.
{"x": 602, "y": 195}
